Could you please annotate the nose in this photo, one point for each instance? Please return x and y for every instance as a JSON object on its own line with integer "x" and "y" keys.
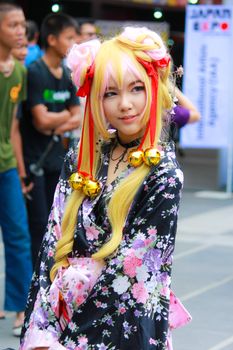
{"x": 125, "y": 103}
{"x": 21, "y": 31}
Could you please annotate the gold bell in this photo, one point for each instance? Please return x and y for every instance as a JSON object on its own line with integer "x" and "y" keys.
{"x": 76, "y": 181}
{"x": 151, "y": 156}
{"x": 135, "y": 157}
{"x": 91, "y": 188}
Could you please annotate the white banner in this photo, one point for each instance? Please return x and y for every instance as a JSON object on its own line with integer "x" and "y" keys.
{"x": 208, "y": 74}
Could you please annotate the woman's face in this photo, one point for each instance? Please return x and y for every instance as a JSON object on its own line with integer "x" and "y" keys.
{"x": 124, "y": 107}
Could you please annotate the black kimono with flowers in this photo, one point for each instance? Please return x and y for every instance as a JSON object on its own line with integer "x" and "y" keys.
{"x": 128, "y": 306}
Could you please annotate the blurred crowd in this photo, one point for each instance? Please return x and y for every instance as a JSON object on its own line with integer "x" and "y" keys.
{"x": 40, "y": 116}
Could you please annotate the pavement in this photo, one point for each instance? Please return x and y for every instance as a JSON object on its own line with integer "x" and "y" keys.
{"x": 202, "y": 274}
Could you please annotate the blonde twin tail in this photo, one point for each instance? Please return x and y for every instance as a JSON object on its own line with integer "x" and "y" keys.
{"x": 119, "y": 207}
{"x": 69, "y": 222}
{"x": 70, "y": 217}
{"x": 74, "y": 201}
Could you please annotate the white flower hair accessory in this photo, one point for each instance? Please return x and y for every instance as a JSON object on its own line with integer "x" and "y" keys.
{"x": 147, "y": 37}
{"x": 80, "y": 58}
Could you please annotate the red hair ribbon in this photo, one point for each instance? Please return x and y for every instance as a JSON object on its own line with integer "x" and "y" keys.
{"x": 164, "y": 62}
{"x": 91, "y": 141}
{"x": 153, "y": 74}
{"x": 151, "y": 69}
{"x": 85, "y": 89}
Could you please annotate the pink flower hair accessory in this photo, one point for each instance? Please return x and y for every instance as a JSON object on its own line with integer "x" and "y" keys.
{"x": 147, "y": 37}
{"x": 80, "y": 58}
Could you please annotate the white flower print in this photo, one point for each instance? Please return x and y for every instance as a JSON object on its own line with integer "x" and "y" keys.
{"x": 142, "y": 273}
{"x": 121, "y": 284}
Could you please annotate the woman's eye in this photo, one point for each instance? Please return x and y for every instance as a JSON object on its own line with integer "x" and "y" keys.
{"x": 139, "y": 88}
{"x": 109, "y": 94}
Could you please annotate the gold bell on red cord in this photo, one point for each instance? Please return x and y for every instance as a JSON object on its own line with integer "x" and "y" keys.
{"x": 76, "y": 181}
{"x": 135, "y": 157}
{"x": 151, "y": 156}
{"x": 91, "y": 188}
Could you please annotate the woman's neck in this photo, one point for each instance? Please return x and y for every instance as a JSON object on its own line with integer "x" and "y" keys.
{"x": 126, "y": 139}
{"x": 129, "y": 144}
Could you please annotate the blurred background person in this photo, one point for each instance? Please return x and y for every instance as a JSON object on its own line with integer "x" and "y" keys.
{"x": 185, "y": 112}
{"x": 52, "y": 109}
{"x": 13, "y": 216}
{"x": 87, "y": 30}
{"x": 34, "y": 50}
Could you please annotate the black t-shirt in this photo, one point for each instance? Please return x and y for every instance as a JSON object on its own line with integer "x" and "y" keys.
{"x": 56, "y": 95}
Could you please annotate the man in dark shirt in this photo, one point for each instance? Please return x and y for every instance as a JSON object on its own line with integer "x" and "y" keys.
{"x": 52, "y": 109}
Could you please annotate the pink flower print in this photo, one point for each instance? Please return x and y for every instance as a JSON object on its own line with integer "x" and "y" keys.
{"x": 147, "y": 242}
{"x": 130, "y": 263}
{"x": 57, "y": 231}
{"x": 139, "y": 292}
{"x": 82, "y": 340}
{"x": 92, "y": 233}
{"x": 122, "y": 310}
{"x": 105, "y": 290}
{"x": 72, "y": 326}
{"x": 80, "y": 299}
{"x": 152, "y": 231}
{"x": 50, "y": 253}
{"x": 79, "y": 285}
{"x": 152, "y": 341}
{"x": 165, "y": 292}
{"x": 171, "y": 181}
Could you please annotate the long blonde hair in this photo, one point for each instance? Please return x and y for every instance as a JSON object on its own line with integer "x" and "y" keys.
{"x": 114, "y": 58}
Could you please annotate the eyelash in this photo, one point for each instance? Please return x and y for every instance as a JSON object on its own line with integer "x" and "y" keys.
{"x": 139, "y": 88}
{"x": 109, "y": 94}
{"x": 136, "y": 88}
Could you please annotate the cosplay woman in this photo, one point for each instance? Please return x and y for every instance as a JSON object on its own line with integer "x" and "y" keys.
{"x": 104, "y": 271}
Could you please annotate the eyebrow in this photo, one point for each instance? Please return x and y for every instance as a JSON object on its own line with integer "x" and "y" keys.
{"x": 136, "y": 81}
{"x": 132, "y": 83}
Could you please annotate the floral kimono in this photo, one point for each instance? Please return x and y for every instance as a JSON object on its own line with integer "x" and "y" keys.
{"x": 125, "y": 302}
